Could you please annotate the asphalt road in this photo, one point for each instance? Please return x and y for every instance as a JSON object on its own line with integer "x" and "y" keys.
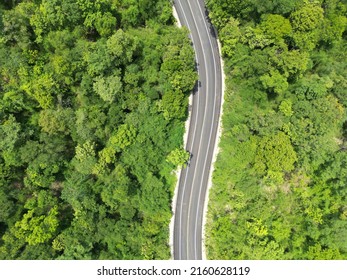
{"x": 202, "y": 132}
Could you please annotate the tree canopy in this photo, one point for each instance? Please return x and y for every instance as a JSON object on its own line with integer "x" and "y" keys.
{"x": 93, "y": 96}
{"x": 279, "y": 188}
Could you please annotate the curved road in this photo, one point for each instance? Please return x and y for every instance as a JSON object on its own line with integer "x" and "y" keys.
{"x": 202, "y": 132}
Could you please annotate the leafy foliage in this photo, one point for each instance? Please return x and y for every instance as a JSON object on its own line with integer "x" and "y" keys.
{"x": 178, "y": 157}
{"x": 93, "y": 95}
{"x": 278, "y": 183}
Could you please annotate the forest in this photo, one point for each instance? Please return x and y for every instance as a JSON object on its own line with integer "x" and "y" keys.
{"x": 93, "y": 99}
{"x": 279, "y": 185}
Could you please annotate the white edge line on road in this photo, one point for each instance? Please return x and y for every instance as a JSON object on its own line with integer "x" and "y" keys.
{"x": 216, "y": 146}
{"x": 215, "y": 154}
{"x": 194, "y": 133}
{"x": 187, "y": 132}
{"x": 212, "y": 126}
{"x": 202, "y": 129}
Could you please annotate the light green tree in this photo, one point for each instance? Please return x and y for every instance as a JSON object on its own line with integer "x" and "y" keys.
{"x": 37, "y": 229}
{"x": 276, "y": 26}
{"x": 86, "y": 157}
{"x": 230, "y": 35}
{"x": 108, "y": 88}
{"x": 275, "y": 82}
{"x": 178, "y": 157}
{"x": 275, "y": 153}
{"x": 124, "y": 137}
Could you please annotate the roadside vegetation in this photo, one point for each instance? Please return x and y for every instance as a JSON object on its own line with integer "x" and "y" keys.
{"x": 93, "y": 98}
{"x": 280, "y": 181}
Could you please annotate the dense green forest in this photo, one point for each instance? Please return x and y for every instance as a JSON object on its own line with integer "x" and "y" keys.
{"x": 93, "y": 98}
{"x": 280, "y": 180}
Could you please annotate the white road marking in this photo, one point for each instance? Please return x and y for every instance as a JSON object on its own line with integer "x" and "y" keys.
{"x": 213, "y": 119}
{"x": 202, "y": 129}
{"x": 194, "y": 133}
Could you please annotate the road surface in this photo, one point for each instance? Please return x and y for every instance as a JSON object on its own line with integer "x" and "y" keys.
{"x": 187, "y": 243}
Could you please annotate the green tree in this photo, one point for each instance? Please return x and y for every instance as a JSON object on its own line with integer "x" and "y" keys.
{"x": 307, "y": 23}
{"x": 39, "y": 229}
{"x": 121, "y": 47}
{"x": 108, "y": 88}
{"x": 104, "y": 23}
{"x": 276, "y": 26}
{"x": 83, "y": 170}
{"x": 124, "y": 137}
{"x": 56, "y": 121}
{"x": 274, "y": 82}
{"x": 173, "y": 105}
{"x": 275, "y": 153}
{"x": 178, "y": 157}
{"x": 10, "y": 133}
{"x": 16, "y": 25}
{"x": 230, "y": 35}
{"x": 85, "y": 157}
